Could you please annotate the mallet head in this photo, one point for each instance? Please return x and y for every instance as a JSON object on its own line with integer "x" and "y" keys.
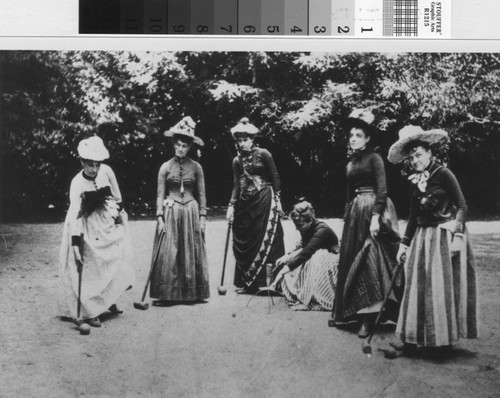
{"x": 141, "y": 306}
{"x": 367, "y": 348}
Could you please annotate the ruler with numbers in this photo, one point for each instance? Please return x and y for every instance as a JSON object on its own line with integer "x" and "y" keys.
{"x": 317, "y": 18}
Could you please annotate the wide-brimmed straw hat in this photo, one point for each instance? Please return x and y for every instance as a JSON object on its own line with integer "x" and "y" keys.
{"x": 185, "y": 128}
{"x": 93, "y": 149}
{"x": 411, "y": 133}
{"x": 244, "y": 127}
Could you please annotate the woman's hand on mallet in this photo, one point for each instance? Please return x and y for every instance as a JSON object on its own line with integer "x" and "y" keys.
{"x": 374, "y": 226}
{"x": 401, "y": 252}
{"x": 230, "y": 214}
{"x": 161, "y": 224}
{"x": 457, "y": 244}
{"x": 280, "y": 275}
{"x": 78, "y": 257}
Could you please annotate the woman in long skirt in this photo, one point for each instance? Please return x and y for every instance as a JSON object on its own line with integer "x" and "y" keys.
{"x": 370, "y": 236}
{"x": 308, "y": 274}
{"x": 96, "y": 239}
{"x": 179, "y": 255}
{"x": 439, "y": 304}
{"x": 255, "y": 208}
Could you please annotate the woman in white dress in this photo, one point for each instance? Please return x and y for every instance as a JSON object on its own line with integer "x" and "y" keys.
{"x": 96, "y": 239}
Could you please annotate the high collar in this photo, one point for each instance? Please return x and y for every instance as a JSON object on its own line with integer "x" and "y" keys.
{"x": 356, "y": 155}
{"x": 87, "y": 177}
{"x": 246, "y": 153}
{"x": 181, "y": 160}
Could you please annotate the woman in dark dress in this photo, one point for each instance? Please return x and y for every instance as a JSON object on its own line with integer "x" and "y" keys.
{"x": 254, "y": 210}
{"x": 179, "y": 254}
{"x": 370, "y": 235}
{"x": 308, "y": 274}
{"x": 439, "y": 303}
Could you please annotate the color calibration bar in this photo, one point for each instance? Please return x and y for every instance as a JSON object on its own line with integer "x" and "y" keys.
{"x": 333, "y": 18}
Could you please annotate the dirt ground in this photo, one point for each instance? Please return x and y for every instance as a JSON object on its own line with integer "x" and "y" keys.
{"x": 226, "y": 347}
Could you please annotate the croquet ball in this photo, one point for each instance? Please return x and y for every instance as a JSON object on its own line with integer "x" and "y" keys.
{"x": 222, "y": 290}
{"x": 84, "y": 329}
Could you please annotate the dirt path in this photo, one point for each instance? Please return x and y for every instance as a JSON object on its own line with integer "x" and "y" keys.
{"x": 219, "y": 349}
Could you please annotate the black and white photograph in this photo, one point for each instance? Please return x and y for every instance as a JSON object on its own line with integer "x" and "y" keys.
{"x": 201, "y": 223}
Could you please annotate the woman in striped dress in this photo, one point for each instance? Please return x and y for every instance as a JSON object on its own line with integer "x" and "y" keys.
{"x": 370, "y": 236}
{"x": 307, "y": 279}
{"x": 439, "y": 304}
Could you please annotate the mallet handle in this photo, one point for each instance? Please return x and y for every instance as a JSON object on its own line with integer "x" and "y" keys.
{"x": 153, "y": 262}
{"x": 386, "y": 298}
{"x": 225, "y": 252}
{"x": 80, "y": 271}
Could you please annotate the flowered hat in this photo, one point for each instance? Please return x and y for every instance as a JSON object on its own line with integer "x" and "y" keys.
{"x": 93, "y": 149}
{"x": 411, "y": 133}
{"x": 245, "y": 127}
{"x": 185, "y": 128}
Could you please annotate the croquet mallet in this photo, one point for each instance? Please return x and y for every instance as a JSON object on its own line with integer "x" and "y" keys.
{"x": 142, "y": 305}
{"x": 79, "y": 268}
{"x": 366, "y": 346}
{"x": 221, "y": 289}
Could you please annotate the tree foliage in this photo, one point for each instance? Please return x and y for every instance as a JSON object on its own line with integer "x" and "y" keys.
{"x": 51, "y": 100}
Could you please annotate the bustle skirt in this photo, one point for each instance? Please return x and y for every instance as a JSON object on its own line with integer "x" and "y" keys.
{"x": 440, "y": 299}
{"x": 366, "y": 265}
{"x": 311, "y": 286}
{"x": 179, "y": 256}
{"x": 257, "y": 238}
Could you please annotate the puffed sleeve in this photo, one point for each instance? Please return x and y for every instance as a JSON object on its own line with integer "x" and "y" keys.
{"x": 274, "y": 177}
{"x": 348, "y": 197}
{"x": 411, "y": 227}
{"x": 200, "y": 189}
{"x": 452, "y": 186}
{"x": 75, "y": 201}
{"x": 322, "y": 238}
{"x": 236, "y": 182}
{"x": 113, "y": 183}
{"x": 162, "y": 178}
{"x": 380, "y": 184}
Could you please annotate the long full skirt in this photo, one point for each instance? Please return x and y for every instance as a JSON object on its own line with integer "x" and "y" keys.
{"x": 366, "y": 265}
{"x": 108, "y": 265}
{"x": 179, "y": 256}
{"x": 257, "y": 238}
{"x": 440, "y": 298}
{"x": 311, "y": 286}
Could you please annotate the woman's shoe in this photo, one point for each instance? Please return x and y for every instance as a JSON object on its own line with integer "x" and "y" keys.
{"x": 364, "y": 331}
{"x": 115, "y": 310}
{"x": 160, "y": 303}
{"x": 94, "y": 322}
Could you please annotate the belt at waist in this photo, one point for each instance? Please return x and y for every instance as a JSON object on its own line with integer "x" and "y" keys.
{"x": 362, "y": 190}
{"x": 169, "y": 201}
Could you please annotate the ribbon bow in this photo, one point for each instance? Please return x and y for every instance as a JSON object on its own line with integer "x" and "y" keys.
{"x": 420, "y": 180}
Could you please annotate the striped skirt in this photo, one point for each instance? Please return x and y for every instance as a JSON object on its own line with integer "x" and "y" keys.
{"x": 179, "y": 256}
{"x": 440, "y": 299}
{"x": 312, "y": 285}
